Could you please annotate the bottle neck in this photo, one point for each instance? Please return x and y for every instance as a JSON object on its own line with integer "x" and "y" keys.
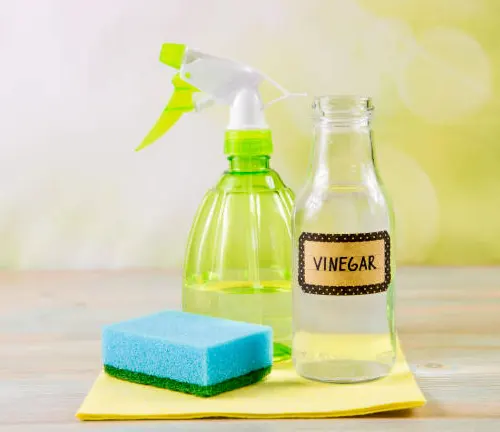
{"x": 343, "y": 154}
{"x": 249, "y": 164}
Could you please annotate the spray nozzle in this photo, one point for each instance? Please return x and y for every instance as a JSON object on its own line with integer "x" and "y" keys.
{"x": 217, "y": 80}
{"x": 172, "y": 54}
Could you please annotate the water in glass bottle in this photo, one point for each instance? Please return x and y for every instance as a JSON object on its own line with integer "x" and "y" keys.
{"x": 343, "y": 281}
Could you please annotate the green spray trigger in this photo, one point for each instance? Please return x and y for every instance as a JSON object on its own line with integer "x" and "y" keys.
{"x": 180, "y": 102}
{"x": 220, "y": 80}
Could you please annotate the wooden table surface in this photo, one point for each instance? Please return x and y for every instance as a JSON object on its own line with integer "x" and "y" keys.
{"x": 448, "y": 321}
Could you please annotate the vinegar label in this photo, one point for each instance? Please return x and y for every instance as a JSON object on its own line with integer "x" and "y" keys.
{"x": 344, "y": 264}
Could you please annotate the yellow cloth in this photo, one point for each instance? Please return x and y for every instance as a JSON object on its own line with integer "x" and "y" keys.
{"x": 282, "y": 395}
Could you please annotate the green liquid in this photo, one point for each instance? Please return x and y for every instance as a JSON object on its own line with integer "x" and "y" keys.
{"x": 270, "y": 304}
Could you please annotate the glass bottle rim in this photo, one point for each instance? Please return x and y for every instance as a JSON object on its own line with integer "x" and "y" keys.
{"x": 342, "y": 108}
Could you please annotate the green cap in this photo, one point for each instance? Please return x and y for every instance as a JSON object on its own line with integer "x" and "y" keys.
{"x": 172, "y": 54}
{"x": 248, "y": 142}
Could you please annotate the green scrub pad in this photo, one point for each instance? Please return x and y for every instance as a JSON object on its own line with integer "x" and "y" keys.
{"x": 190, "y": 353}
{"x": 197, "y": 390}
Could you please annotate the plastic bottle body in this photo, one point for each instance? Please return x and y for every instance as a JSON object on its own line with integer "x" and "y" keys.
{"x": 343, "y": 279}
{"x": 237, "y": 262}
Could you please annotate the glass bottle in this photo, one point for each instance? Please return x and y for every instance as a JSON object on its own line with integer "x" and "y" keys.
{"x": 343, "y": 281}
{"x": 237, "y": 263}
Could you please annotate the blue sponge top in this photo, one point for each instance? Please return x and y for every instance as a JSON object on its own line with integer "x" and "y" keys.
{"x": 186, "y": 347}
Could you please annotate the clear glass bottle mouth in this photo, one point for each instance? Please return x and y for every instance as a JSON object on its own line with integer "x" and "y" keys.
{"x": 342, "y": 108}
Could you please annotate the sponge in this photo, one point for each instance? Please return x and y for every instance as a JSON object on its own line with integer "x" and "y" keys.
{"x": 195, "y": 354}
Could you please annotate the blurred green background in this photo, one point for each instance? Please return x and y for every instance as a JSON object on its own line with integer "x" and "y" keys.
{"x": 433, "y": 69}
{"x": 77, "y": 102}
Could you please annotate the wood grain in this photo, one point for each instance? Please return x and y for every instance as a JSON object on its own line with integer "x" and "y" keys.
{"x": 448, "y": 321}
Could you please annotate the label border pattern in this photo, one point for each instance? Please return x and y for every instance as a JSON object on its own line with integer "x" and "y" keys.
{"x": 345, "y": 238}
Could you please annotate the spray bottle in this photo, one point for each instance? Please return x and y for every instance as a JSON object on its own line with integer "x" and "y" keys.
{"x": 238, "y": 256}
